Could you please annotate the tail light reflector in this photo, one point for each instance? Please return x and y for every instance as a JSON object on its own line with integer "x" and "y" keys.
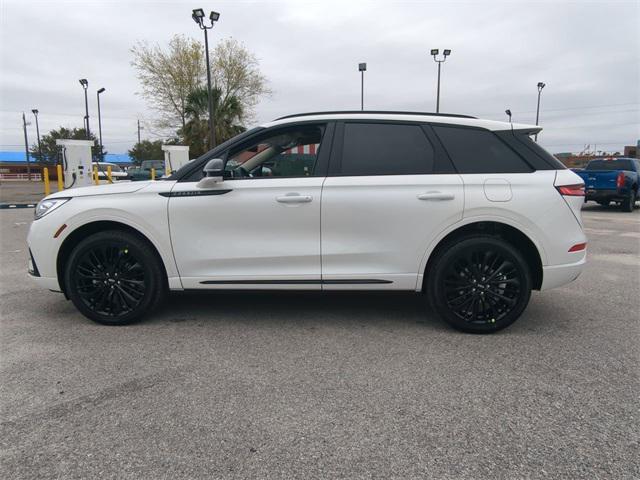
{"x": 620, "y": 180}
{"x": 578, "y": 247}
{"x": 572, "y": 190}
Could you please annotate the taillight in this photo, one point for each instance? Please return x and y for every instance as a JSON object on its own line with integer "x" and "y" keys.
{"x": 572, "y": 190}
{"x": 620, "y": 180}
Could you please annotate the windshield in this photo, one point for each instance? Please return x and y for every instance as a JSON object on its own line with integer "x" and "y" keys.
{"x": 609, "y": 165}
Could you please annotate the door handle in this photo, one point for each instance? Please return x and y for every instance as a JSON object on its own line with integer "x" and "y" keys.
{"x": 294, "y": 198}
{"x": 437, "y": 196}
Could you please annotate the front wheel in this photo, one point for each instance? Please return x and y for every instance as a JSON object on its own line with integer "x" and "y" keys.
{"x": 114, "y": 278}
{"x": 479, "y": 284}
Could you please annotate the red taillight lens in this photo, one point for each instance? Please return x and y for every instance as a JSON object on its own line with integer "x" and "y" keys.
{"x": 620, "y": 180}
{"x": 572, "y": 190}
{"x": 578, "y": 247}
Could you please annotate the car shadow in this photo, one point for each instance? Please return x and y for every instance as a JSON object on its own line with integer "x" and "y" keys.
{"x": 301, "y": 307}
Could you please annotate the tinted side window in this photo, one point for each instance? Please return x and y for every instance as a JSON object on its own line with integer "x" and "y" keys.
{"x": 479, "y": 151}
{"x": 385, "y": 149}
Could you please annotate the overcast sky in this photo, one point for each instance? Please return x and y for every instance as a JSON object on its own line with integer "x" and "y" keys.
{"x": 587, "y": 52}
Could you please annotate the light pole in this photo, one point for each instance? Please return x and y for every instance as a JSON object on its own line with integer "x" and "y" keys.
{"x": 541, "y": 85}
{"x": 100, "y": 123}
{"x": 85, "y": 84}
{"x": 35, "y": 114}
{"x": 198, "y": 17}
{"x": 446, "y": 53}
{"x": 139, "y": 128}
{"x": 26, "y": 144}
{"x": 362, "y": 67}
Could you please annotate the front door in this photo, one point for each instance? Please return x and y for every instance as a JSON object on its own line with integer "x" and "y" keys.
{"x": 260, "y": 227}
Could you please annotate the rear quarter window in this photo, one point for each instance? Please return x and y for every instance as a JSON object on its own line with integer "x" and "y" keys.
{"x": 474, "y": 150}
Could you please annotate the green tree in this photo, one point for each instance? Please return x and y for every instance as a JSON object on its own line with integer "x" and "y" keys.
{"x": 50, "y": 151}
{"x": 227, "y": 118}
{"x": 146, "y": 150}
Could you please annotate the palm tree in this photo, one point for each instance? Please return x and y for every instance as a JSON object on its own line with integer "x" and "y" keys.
{"x": 226, "y": 119}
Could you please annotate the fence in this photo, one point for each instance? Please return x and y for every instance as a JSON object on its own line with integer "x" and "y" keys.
{"x": 20, "y": 176}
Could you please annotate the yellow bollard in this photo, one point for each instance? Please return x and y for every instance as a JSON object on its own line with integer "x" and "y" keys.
{"x": 45, "y": 177}
{"x": 96, "y": 179}
{"x": 109, "y": 173}
{"x": 153, "y": 174}
{"x": 59, "y": 175}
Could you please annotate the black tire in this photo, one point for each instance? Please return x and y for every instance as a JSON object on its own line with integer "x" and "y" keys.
{"x": 629, "y": 203}
{"x": 604, "y": 203}
{"x": 114, "y": 278}
{"x": 455, "y": 288}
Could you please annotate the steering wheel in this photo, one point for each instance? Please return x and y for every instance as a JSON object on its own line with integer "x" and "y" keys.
{"x": 241, "y": 172}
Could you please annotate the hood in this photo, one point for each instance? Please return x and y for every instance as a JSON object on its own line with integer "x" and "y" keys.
{"x": 109, "y": 189}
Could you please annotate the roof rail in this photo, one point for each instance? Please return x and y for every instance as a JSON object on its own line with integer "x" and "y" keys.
{"x": 386, "y": 112}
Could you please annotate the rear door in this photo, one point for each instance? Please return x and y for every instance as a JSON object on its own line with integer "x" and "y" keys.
{"x": 389, "y": 193}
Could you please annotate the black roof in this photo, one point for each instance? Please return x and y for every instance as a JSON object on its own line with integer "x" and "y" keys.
{"x": 365, "y": 112}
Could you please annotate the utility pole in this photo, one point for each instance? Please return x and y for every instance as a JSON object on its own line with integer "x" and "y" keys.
{"x": 139, "y": 128}
{"x": 26, "y": 145}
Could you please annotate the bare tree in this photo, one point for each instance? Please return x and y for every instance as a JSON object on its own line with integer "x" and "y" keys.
{"x": 168, "y": 76}
{"x": 236, "y": 74}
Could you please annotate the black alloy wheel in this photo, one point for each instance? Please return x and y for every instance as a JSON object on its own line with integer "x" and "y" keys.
{"x": 114, "y": 278}
{"x": 479, "y": 284}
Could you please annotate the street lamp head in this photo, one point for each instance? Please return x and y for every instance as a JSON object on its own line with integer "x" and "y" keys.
{"x": 214, "y": 16}
{"x": 84, "y": 83}
{"x": 508, "y": 112}
{"x": 434, "y": 51}
{"x": 362, "y": 67}
{"x": 447, "y": 52}
{"x": 541, "y": 85}
{"x": 35, "y": 111}
{"x": 198, "y": 15}
{"x": 101, "y": 90}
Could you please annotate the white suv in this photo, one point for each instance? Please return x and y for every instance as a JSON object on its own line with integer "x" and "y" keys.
{"x": 471, "y": 212}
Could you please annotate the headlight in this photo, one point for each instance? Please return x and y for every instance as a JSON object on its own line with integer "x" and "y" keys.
{"x": 48, "y": 205}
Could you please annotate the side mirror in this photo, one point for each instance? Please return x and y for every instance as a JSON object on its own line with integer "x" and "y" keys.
{"x": 213, "y": 173}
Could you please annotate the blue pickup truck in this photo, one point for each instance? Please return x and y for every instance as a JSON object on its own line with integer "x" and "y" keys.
{"x": 609, "y": 180}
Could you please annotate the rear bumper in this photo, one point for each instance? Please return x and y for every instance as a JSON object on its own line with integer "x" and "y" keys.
{"x": 601, "y": 195}
{"x": 557, "y": 275}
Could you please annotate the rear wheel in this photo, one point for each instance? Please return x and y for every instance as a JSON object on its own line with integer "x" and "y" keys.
{"x": 629, "y": 203}
{"x": 479, "y": 284}
{"x": 114, "y": 278}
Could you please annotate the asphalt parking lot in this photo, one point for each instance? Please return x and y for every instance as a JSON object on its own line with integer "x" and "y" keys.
{"x": 325, "y": 386}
